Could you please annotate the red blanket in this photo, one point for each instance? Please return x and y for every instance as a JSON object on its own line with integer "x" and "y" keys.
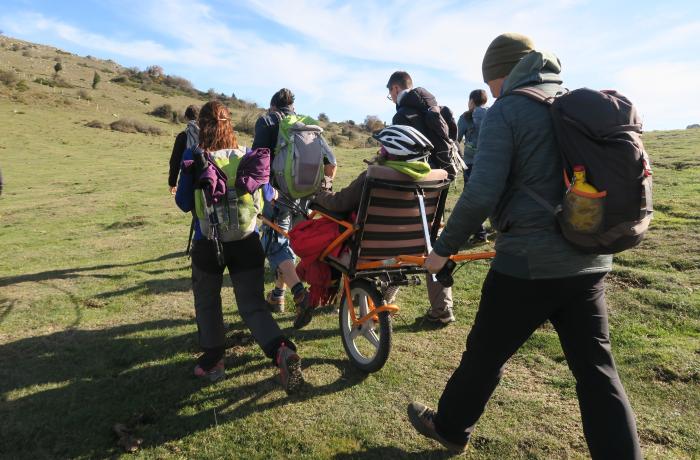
{"x": 308, "y": 240}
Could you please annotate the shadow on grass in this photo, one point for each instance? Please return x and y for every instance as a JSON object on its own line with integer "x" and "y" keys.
{"x": 6, "y": 306}
{"x": 155, "y": 286}
{"x": 418, "y": 324}
{"x": 69, "y": 273}
{"x": 389, "y": 452}
{"x": 61, "y": 393}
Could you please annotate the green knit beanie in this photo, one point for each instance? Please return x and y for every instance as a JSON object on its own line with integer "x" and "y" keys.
{"x": 504, "y": 52}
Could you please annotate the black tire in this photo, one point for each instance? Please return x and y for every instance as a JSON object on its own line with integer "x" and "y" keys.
{"x": 366, "y": 351}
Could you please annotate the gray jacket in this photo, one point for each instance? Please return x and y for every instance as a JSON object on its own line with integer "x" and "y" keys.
{"x": 517, "y": 145}
{"x": 468, "y": 127}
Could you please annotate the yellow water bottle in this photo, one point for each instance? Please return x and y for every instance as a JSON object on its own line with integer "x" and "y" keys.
{"x": 583, "y": 205}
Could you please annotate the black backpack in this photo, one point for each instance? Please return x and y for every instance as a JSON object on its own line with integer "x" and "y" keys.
{"x": 442, "y": 133}
{"x": 601, "y": 131}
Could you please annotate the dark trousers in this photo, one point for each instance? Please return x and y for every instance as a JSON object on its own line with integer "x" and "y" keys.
{"x": 511, "y": 309}
{"x": 245, "y": 262}
{"x": 467, "y": 173}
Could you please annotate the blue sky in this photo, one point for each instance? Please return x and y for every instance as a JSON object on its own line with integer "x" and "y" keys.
{"x": 337, "y": 56}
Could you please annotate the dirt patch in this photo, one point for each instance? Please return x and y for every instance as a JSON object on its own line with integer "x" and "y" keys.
{"x": 134, "y": 222}
{"x": 94, "y": 303}
{"x": 676, "y": 165}
{"x": 684, "y": 265}
{"x": 628, "y": 279}
{"x": 666, "y": 375}
{"x": 649, "y": 435}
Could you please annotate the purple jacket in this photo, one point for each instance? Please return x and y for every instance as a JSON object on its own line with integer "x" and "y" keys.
{"x": 253, "y": 170}
{"x": 212, "y": 179}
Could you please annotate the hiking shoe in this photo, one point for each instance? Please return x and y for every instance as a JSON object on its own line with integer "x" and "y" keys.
{"x": 477, "y": 240}
{"x": 289, "y": 364}
{"x": 275, "y": 303}
{"x": 445, "y": 316}
{"x": 423, "y": 420}
{"x": 215, "y": 373}
{"x": 302, "y": 301}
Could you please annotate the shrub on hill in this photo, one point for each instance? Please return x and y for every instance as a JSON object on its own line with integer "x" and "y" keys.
{"x": 95, "y": 124}
{"x": 58, "y": 82}
{"x": 372, "y": 123}
{"x": 162, "y": 111}
{"x": 247, "y": 121}
{"x": 120, "y": 79}
{"x": 336, "y": 140}
{"x": 8, "y": 77}
{"x": 21, "y": 86}
{"x": 132, "y": 126}
{"x": 83, "y": 94}
{"x": 153, "y": 79}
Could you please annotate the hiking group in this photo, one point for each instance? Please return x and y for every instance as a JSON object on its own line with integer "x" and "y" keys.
{"x": 556, "y": 236}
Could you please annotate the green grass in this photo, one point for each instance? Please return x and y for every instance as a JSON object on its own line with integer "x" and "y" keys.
{"x": 97, "y": 323}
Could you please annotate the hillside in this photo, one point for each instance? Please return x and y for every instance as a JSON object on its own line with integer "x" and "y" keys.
{"x": 27, "y": 77}
{"x": 97, "y": 323}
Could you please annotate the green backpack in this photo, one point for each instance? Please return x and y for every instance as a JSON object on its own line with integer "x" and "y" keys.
{"x": 298, "y": 164}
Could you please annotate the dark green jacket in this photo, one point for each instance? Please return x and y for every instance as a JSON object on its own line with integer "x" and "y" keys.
{"x": 517, "y": 145}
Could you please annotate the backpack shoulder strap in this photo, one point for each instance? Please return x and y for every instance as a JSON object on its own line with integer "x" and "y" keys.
{"x": 533, "y": 93}
{"x": 277, "y": 115}
{"x": 554, "y": 210}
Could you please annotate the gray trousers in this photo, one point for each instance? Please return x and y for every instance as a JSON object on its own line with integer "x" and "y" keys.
{"x": 244, "y": 260}
{"x": 439, "y": 296}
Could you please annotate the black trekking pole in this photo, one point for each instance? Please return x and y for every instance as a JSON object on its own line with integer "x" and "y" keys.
{"x": 189, "y": 239}
{"x": 291, "y": 205}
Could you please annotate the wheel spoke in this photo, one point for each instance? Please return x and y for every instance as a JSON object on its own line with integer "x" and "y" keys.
{"x": 363, "y": 307}
{"x": 371, "y": 337}
{"x": 354, "y": 332}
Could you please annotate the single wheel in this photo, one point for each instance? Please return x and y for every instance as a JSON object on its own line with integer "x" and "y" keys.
{"x": 367, "y": 345}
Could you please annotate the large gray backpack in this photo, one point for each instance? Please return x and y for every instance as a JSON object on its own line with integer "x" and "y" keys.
{"x": 601, "y": 132}
{"x": 298, "y": 164}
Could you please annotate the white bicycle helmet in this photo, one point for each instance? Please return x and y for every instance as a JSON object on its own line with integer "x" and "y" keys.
{"x": 405, "y": 142}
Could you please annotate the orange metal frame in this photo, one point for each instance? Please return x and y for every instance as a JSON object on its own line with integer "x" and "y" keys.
{"x": 394, "y": 262}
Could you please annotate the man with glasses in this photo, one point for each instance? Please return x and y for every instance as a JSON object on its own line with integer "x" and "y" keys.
{"x": 413, "y": 107}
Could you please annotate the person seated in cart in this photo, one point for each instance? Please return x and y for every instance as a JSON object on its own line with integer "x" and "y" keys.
{"x": 403, "y": 149}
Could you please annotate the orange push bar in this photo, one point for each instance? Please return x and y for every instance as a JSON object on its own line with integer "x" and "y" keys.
{"x": 400, "y": 261}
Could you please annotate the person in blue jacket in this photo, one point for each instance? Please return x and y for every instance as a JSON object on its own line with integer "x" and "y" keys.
{"x": 468, "y": 126}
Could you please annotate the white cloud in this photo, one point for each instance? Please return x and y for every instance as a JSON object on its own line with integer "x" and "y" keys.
{"x": 34, "y": 23}
{"x": 444, "y": 41}
{"x": 337, "y": 55}
{"x": 666, "y": 93}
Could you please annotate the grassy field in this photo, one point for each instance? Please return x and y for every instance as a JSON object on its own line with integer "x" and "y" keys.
{"x": 97, "y": 323}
